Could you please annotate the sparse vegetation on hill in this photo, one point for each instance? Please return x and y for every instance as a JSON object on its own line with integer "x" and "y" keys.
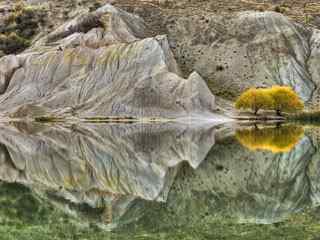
{"x": 13, "y": 43}
{"x": 20, "y": 26}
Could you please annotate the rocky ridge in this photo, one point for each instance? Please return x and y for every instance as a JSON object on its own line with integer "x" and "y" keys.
{"x": 100, "y": 64}
{"x": 232, "y": 50}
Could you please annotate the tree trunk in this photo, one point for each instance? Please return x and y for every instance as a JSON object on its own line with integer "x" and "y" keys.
{"x": 279, "y": 112}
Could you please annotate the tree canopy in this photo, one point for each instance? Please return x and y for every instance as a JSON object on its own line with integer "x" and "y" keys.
{"x": 278, "y": 98}
{"x": 255, "y": 99}
{"x": 285, "y": 99}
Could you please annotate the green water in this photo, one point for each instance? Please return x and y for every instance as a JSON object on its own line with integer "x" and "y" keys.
{"x": 159, "y": 182}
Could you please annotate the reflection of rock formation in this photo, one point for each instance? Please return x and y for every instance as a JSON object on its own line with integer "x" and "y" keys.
{"x": 106, "y": 173}
{"x": 259, "y": 187}
{"x": 274, "y": 139}
{"x": 314, "y": 166}
{"x": 125, "y": 159}
{"x": 102, "y": 165}
{"x": 100, "y": 64}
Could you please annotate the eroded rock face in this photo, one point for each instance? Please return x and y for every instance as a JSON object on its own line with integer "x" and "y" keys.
{"x": 247, "y": 49}
{"x": 231, "y": 53}
{"x": 99, "y": 65}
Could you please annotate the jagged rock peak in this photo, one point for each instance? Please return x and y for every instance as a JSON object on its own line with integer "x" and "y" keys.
{"x": 100, "y": 64}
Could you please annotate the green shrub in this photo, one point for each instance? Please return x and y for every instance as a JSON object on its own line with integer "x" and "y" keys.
{"x": 20, "y": 27}
{"x": 311, "y": 117}
{"x": 13, "y": 43}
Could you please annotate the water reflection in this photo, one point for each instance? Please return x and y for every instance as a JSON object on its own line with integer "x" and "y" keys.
{"x": 164, "y": 176}
{"x": 247, "y": 186}
{"x": 275, "y": 139}
{"x": 102, "y": 166}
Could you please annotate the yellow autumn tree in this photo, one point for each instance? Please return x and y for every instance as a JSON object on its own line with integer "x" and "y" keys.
{"x": 285, "y": 99}
{"x": 255, "y": 99}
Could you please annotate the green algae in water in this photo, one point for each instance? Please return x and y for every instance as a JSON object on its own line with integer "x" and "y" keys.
{"x": 44, "y": 221}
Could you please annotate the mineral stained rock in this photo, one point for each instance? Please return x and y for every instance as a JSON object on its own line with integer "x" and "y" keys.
{"x": 231, "y": 53}
{"x": 247, "y": 49}
{"x": 99, "y": 64}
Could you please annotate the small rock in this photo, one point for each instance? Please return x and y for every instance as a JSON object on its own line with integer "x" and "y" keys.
{"x": 164, "y": 3}
{"x": 35, "y": 2}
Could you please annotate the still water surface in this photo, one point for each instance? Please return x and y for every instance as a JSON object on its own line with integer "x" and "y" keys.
{"x": 159, "y": 181}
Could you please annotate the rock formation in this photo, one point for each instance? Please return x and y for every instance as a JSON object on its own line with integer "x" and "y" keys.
{"x": 248, "y": 49}
{"x": 230, "y": 51}
{"x": 99, "y": 65}
{"x": 105, "y": 64}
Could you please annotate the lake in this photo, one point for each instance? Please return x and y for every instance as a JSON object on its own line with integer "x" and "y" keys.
{"x": 159, "y": 181}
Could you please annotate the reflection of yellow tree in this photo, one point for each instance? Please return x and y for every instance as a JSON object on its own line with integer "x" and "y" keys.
{"x": 276, "y": 140}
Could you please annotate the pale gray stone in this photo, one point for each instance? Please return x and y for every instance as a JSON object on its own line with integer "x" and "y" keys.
{"x": 99, "y": 65}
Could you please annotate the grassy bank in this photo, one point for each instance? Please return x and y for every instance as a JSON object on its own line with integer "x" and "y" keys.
{"x": 305, "y": 117}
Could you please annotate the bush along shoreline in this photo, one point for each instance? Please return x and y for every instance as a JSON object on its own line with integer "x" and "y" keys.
{"x": 310, "y": 117}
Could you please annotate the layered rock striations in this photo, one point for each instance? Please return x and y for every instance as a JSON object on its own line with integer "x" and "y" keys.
{"x": 102, "y": 64}
{"x": 99, "y": 64}
{"x": 231, "y": 52}
{"x": 248, "y": 49}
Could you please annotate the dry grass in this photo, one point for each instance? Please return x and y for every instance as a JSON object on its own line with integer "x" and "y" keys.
{"x": 303, "y": 11}
{"x": 306, "y": 116}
